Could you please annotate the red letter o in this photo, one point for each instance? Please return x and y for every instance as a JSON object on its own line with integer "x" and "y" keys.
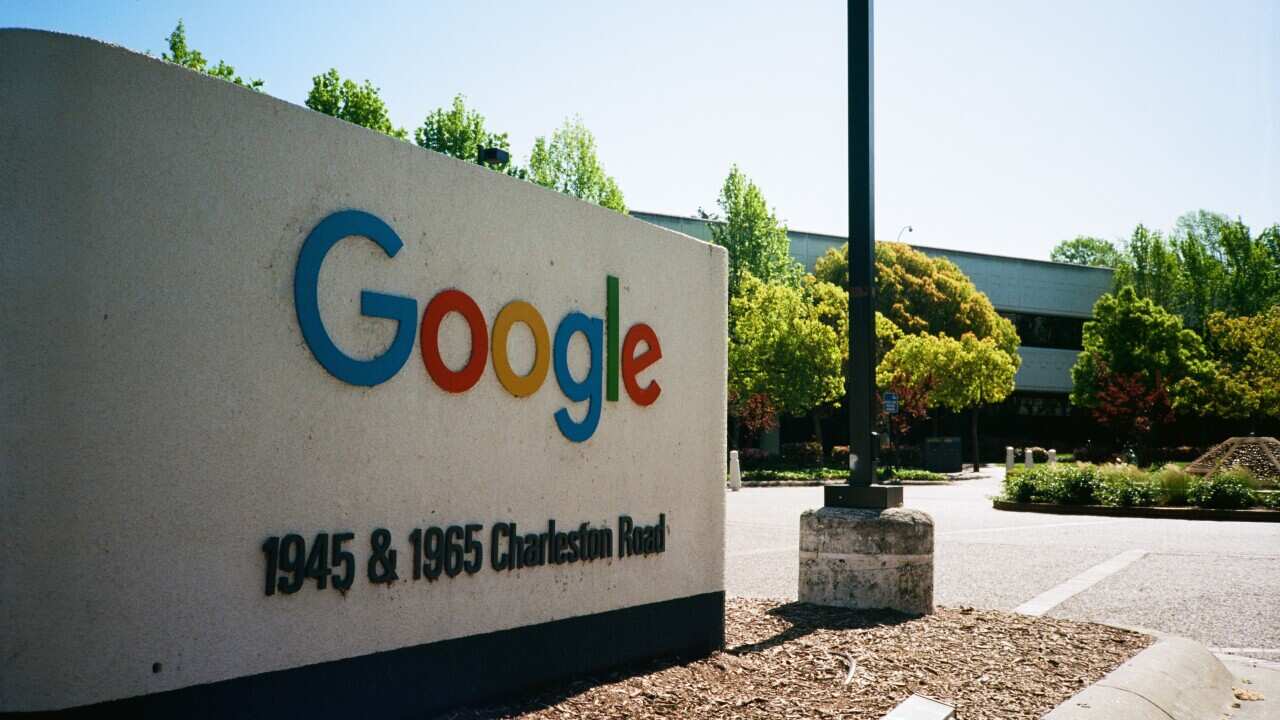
{"x": 442, "y": 304}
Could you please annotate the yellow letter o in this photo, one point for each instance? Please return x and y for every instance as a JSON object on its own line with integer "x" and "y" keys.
{"x": 521, "y": 311}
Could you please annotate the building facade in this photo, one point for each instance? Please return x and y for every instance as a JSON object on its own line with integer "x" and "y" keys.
{"x": 1048, "y": 302}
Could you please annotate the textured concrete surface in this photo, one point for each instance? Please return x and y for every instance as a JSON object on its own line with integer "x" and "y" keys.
{"x": 1261, "y": 678}
{"x": 867, "y": 559}
{"x": 1214, "y": 582}
{"x": 160, "y": 414}
{"x": 1175, "y": 678}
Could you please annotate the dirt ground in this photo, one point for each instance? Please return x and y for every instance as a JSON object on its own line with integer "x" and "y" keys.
{"x": 802, "y": 661}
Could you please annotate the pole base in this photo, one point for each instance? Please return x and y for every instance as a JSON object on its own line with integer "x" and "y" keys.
{"x": 863, "y": 558}
{"x": 878, "y": 497}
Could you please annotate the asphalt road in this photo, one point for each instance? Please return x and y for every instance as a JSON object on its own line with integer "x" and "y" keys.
{"x": 1215, "y": 582}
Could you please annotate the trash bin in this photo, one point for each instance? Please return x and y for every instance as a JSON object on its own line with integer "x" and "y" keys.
{"x": 942, "y": 454}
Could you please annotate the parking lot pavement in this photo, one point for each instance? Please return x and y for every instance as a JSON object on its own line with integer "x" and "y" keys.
{"x": 1215, "y": 582}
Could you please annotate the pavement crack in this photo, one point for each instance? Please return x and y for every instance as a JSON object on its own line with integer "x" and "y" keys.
{"x": 1135, "y": 693}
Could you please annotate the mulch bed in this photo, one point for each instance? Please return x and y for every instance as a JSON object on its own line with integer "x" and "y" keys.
{"x": 803, "y": 661}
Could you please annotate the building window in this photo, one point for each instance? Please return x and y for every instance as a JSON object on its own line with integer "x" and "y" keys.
{"x": 1048, "y": 331}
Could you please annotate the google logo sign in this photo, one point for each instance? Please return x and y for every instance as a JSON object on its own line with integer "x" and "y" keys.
{"x": 626, "y": 361}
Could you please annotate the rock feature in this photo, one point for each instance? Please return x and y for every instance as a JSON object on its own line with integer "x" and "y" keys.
{"x": 1259, "y": 455}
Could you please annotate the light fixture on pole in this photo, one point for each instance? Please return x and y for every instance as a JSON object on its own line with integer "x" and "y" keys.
{"x": 905, "y": 228}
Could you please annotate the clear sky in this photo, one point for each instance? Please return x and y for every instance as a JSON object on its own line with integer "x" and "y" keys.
{"x": 1002, "y": 127}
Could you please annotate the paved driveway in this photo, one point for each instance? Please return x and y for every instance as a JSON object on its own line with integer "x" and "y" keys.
{"x": 1216, "y": 582}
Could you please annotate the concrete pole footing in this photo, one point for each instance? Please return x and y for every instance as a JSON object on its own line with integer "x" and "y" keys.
{"x": 867, "y": 559}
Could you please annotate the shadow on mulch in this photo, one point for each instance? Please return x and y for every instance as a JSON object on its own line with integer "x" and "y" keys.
{"x": 804, "y": 619}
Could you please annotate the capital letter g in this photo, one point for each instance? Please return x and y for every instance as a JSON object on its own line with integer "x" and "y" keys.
{"x": 306, "y": 280}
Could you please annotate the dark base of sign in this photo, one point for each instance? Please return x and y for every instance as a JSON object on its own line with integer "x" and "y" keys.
{"x": 876, "y": 497}
{"x": 417, "y": 681}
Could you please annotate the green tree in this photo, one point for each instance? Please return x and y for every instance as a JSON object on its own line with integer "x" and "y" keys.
{"x": 1085, "y": 250}
{"x": 1202, "y": 277}
{"x": 181, "y": 54}
{"x": 1244, "y": 382}
{"x": 781, "y": 348}
{"x": 833, "y": 266}
{"x": 922, "y": 294}
{"x": 1253, "y": 275}
{"x": 569, "y": 163}
{"x": 959, "y": 375}
{"x": 831, "y": 307}
{"x": 358, "y": 104}
{"x": 756, "y": 241}
{"x": 461, "y": 133}
{"x": 1153, "y": 269}
{"x": 1134, "y": 345}
{"x": 1209, "y": 263}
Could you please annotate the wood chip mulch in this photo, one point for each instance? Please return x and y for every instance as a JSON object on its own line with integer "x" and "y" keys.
{"x": 803, "y": 661}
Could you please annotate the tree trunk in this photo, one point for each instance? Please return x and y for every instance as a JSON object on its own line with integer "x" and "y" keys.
{"x": 973, "y": 427}
{"x": 817, "y": 429}
{"x": 736, "y": 433}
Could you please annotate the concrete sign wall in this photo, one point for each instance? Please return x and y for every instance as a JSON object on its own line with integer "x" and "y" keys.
{"x": 296, "y": 417}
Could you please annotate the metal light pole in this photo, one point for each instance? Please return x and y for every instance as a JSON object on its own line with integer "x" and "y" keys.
{"x": 861, "y": 490}
{"x": 905, "y": 228}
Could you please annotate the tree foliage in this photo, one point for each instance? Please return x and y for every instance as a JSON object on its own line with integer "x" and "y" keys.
{"x": 781, "y": 348}
{"x": 922, "y": 294}
{"x": 1209, "y": 263}
{"x": 1245, "y": 378}
{"x": 833, "y": 266}
{"x": 1152, "y": 269}
{"x": 359, "y": 104}
{"x": 461, "y": 133}
{"x": 955, "y": 374}
{"x": 188, "y": 57}
{"x": 1130, "y": 404}
{"x": 1085, "y": 250}
{"x": 568, "y": 162}
{"x": 937, "y": 370}
{"x": 831, "y": 307}
{"x": 1137, "y": 360}
{"x": 750, "y": 231}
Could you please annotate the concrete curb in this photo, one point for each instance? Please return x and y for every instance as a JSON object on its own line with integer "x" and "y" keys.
{"x": 1174, "y": 678}
{"x": 1171, "y": 513}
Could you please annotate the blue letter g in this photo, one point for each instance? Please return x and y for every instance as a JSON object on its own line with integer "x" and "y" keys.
{"x": 306, "y": 279}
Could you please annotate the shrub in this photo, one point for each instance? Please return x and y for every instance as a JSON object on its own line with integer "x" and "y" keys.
{"x": 1228, "y": 489}
{"x": 840, "y": 454}
{"x": 812, "y": 475}
{"x": 1078, "y": 483}
{"x": 1269, "y": 499}
{"x": 1067, "y": 484}
{"x": 1124, "y": 486}
{"x": 805, "y": 453}
{"x": 1172, "y": 483}
{"x": 1019, "y": 488}
{"x": 1038, "y": 454}
{"x": 919, "y": 475}
{"x": 752, "y": 455}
